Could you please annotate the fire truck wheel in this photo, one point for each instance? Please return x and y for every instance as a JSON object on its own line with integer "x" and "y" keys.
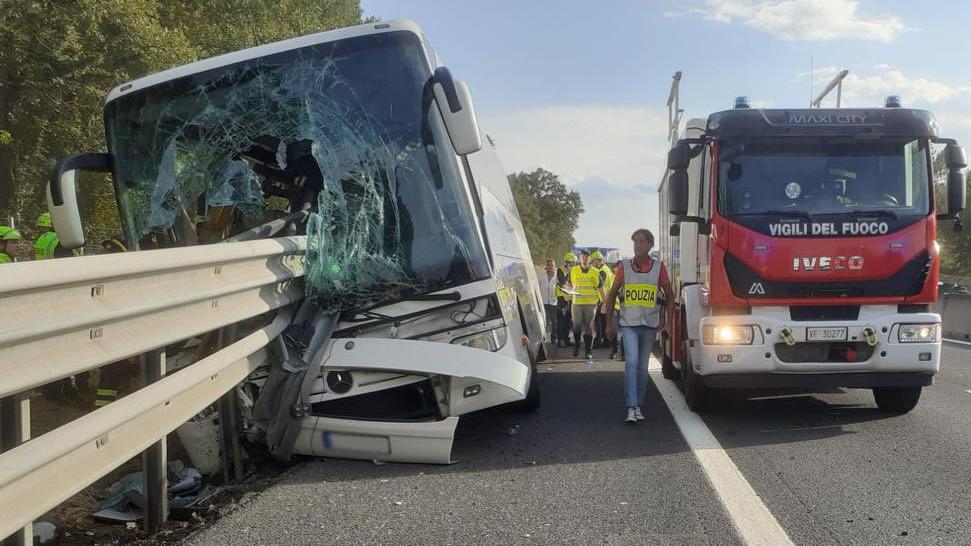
{"x": 896, "y": 399}
{"x": 696, "y": 395}
{"x": 667, "y": 366}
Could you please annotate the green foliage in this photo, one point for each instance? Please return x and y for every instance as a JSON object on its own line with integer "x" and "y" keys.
{"x": 61, "y": 57}
{"x": 549, "y": 212}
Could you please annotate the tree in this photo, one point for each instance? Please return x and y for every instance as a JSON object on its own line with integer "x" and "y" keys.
{"x": 549, "y": 212}
{"x": 61, "y": 57}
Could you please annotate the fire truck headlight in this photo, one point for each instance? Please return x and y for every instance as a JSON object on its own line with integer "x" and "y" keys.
{"x": 728, "y": 334}
{"x": 919, "y": 333}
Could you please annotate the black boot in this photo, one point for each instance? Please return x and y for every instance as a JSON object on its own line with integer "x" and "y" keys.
{"x": 576, "y": 344}
{"x": 587, "y": 343}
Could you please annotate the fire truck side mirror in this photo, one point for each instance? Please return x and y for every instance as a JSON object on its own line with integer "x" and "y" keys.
{"x": 955, "y": 158}
{"x": 679, "y": 157}
{"x": 956, "y": 192}
{"x": 956, "y": 185}
{"x": 678, "y": 193}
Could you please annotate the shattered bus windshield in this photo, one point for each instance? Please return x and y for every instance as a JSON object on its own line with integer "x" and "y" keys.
{"x": 341, "y": 129}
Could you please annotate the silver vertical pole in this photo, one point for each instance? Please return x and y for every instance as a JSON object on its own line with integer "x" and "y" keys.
{"x": 15, "y": 430}
{"x": 154, "y": 458}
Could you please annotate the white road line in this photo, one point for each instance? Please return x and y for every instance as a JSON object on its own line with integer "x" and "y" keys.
{"x": 968, "y": 391}
{"x": 753, "y": 521}
{"x": 959, "y": 342}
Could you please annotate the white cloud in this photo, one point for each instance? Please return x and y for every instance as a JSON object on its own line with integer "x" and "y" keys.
{"x": 612, "y": 155}
{"x": 816, "y": 20}
{"x": 870, "y": 89}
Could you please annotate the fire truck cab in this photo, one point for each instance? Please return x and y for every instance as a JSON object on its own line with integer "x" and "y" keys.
{"x": 801, "y": 244}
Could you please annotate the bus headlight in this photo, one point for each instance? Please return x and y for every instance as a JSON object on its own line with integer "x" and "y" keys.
{"x": 919, "y": 333}
{"x": 490, "y": 340}
{"x": 727, "y": 334}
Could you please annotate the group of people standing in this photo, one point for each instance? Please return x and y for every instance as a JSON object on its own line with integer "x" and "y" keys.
{"x": 594, "y": 302}
{"x": 46, "y": 246}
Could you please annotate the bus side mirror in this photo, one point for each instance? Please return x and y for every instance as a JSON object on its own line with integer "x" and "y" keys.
{"x": 678, "y": 193}
{"x": 62, "y": 201}
{"x": 455, "y": 104}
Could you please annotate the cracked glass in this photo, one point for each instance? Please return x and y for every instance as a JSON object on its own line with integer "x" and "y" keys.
{"x": 344, "y": 130}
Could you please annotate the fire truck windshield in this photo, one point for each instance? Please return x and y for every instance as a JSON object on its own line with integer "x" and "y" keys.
{"x": 824, "y": 176}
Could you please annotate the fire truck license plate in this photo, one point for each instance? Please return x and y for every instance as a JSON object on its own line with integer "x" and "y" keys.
{"x": 826, "y": 334}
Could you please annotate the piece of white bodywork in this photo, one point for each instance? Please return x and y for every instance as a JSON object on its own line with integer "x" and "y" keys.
{"x": 502, "y": 380}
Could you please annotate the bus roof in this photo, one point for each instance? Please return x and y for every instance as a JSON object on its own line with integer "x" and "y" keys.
{"x": 262, "y": 51}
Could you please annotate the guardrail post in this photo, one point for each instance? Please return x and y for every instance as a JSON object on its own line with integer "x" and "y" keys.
{"x": 15, "y": 430}
{"x": 231, "y": 450}
{"x": 155, "y": 458}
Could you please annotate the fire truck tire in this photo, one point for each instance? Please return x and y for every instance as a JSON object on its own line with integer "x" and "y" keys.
{"x": 696, "y": 395}
{"x": 897, "y": 400}
{"x": 668, "y": 371}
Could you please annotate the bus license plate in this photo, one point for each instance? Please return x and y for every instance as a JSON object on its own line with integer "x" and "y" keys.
{"x": 826, "y": 334}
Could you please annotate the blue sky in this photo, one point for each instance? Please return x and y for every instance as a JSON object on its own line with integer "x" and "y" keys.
{"x": 579, "y": 87}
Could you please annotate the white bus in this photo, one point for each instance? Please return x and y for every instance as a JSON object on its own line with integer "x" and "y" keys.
{"x": 417, "y": 263}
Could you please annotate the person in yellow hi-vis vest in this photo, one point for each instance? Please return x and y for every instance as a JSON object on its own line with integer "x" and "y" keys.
{"x": 564, "y": 318}
{"x": 9, "y": 240}
{"x": 614, "y": 317}
{"x": 642, "y": 282}
{"x": 600, "y": 323}
{"x": 588, "y": 292}
{"x": 47, "y": 244}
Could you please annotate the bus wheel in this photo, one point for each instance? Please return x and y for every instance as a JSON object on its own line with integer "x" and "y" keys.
{"x": 668, "y": 371}
{"x": 532, "y": 400}
{"x": 696, "y": 395}
{"x": 897, "y": 400}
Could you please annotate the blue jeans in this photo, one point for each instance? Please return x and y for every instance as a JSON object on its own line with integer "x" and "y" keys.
{"x": 638, "y": 341}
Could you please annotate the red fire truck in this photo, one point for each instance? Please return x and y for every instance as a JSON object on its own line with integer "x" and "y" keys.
{"x": 802, "y": 248}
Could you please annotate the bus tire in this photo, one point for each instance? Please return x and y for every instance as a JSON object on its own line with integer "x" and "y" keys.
{"x": 532, "y": 400}
{"x": 896, "y": 400}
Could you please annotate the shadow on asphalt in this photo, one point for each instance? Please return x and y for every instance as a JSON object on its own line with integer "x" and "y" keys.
{"x": 581, "y": 421}
{"x": 764, "y": 418}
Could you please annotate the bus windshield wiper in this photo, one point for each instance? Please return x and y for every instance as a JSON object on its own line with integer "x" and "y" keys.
{"x": 362, "y": 315}
{"x": 797, "y": 213}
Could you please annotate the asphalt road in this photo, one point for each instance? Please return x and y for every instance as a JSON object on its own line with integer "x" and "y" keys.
{"x": 829, "y": 468}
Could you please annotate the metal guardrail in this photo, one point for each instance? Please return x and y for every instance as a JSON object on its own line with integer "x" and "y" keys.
{"x": 955, "y": 310}
{"x": 62, "y": 317}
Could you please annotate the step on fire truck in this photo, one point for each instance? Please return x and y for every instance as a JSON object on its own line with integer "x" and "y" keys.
{"x": 802, "y": 246}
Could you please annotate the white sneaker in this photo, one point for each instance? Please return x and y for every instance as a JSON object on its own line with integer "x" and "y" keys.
{"x": 637, "y": 413}
{"x": 631, "y": 415}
